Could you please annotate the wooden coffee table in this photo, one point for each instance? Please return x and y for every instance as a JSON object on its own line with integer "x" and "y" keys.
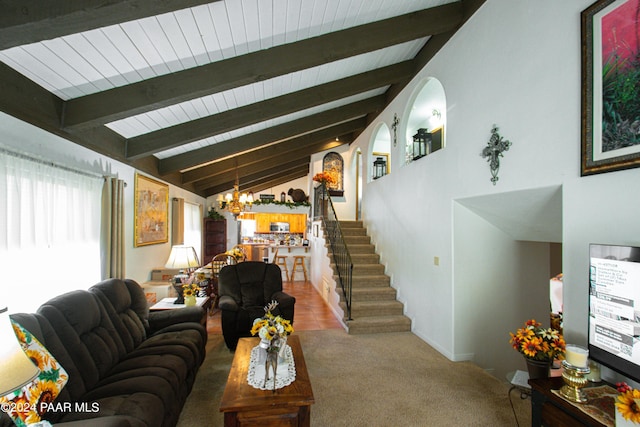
{"x": 245, "y": 405}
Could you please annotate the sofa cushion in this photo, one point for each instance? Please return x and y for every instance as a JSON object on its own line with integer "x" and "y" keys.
{"x": 85, "y": 329}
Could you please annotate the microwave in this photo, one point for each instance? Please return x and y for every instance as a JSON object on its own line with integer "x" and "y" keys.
{"x": 279, "y": 227}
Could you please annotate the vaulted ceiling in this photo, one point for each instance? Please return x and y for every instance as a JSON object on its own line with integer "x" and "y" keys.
{"x": 194, "y": 92}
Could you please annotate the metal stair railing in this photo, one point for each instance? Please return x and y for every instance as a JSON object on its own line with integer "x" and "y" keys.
{"x": 323, "y": 208}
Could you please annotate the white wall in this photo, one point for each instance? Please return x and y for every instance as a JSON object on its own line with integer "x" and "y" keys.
{"x": 517, "y": 65}
{"x": 22, "y": 137}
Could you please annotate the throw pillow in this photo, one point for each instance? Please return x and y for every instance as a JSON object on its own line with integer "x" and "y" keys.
{"x": 27, "y": 405}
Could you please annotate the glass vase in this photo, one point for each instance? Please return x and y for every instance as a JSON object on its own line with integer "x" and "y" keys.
{"x": 190, "y": 300}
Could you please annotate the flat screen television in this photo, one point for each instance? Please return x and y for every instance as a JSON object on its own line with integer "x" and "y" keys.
{"x": 614, "y": 308}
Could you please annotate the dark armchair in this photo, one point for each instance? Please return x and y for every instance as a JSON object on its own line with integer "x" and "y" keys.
{"x": 245, "y": 289}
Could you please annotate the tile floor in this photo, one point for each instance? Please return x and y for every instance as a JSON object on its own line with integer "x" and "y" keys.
{"x": 312, "y": 312}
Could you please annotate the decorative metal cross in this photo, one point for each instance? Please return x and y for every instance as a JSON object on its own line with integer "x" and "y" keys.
{"x": 493, "y": 151}
{"x": 394, "y": 126}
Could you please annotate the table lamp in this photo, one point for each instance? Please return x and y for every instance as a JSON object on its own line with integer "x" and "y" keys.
{"x": 16, "y": 369}
{"x": 183, "y": 258}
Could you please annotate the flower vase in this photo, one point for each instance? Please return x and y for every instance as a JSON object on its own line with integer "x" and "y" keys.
{"x": 190, "y": 300}
{"x": 538, "y": 368}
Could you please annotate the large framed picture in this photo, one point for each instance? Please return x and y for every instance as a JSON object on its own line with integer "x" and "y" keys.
{"x": 151, "y": 211}
{"x": 610, "y": 86}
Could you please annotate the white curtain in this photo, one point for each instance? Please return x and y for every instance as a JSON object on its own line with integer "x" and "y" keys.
{"x": 193, "y": 227}
{"x": 49, "y": 231}
{"x": 112, "y": 236}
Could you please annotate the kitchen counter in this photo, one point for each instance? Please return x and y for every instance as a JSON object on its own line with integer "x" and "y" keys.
{"x": 256, "y": 251}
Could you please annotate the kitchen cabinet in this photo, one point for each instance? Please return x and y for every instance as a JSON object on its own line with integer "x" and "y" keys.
{"x": 214, "y": 238}
{"x": 263, "y": 222}
{"x": 297, "y": 222}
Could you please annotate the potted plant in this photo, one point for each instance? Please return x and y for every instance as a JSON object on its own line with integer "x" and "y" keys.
{"x": 539, "y": 346}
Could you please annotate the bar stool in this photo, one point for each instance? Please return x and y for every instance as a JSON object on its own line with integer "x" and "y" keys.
{"x": 298, "y": 261}
{"x": 281, "y": 261}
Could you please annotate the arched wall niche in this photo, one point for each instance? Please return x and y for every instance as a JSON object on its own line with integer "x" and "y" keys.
{"x": 379, "y": 147}
{"x": 427, "y": 110}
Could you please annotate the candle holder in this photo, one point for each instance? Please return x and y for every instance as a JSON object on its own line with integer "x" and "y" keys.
{"x": 574, "y": 381}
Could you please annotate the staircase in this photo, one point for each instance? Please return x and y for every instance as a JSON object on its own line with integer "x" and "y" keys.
{"x": 374, "y": 308}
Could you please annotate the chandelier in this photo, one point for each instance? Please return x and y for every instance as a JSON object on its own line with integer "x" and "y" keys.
{"x": 236, "y": 203}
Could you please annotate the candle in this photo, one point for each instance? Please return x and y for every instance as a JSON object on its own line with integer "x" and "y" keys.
{"x": 577, "y": 356}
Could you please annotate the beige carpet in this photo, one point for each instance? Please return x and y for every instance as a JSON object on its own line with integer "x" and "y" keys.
{"x": 392, "y": 379}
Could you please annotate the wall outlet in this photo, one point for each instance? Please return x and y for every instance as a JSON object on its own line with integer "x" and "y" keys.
{"x": 436, "y": 260}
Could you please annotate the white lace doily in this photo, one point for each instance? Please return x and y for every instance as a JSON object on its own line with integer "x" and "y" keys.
{"x": 285, "y": 374}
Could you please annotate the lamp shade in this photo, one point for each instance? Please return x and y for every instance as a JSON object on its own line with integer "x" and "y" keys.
{"x": 16, "y": 369}
{"x": 182, "y": 256}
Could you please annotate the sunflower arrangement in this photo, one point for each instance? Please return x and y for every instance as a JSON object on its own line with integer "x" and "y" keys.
{"x": 537, "y": 343}
{"x": 190, "y": 289}
{"x": 236, "y": 253}
{"x": 271, "y": 328}
{"x": 325, "y": 178}
{"x": 628, "y": 402}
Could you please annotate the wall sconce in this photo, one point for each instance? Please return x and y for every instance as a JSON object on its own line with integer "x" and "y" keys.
{"x": 379, "y": 167}
{"x": 436, "y": 113}
{"x": 421, "y": 140}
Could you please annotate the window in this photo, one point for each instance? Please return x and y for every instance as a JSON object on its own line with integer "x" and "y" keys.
{"x": 193, "y": 227}
{"x": 49, "y": 231}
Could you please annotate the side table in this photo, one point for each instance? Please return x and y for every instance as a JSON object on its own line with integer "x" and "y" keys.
{"x": 167, "y": 304}
{"x": 549, "y": 409}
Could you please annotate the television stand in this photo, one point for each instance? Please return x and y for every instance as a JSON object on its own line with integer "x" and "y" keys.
{"x": 549, "y": 409}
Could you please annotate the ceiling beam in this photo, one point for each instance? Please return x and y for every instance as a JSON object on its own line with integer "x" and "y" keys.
{"x": 30, "y": 21}
{"x": 247, "y": 175}
{"x": 307, "y": 140}
{"x": 267, "y": 157}
{"x": 246, "y": 164}
{"x": 246, "y": 182}
{"x": 273, "y": 134}
{"x": 261, "y": 183}
{"x": 247, "y": 115}
{"x": 162, "y": 91}
{"x": 275, "y": 181}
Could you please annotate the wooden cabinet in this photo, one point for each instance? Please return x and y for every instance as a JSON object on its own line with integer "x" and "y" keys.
{"x": 214, "y": 238}
{"x": 297, "y": 222}
{"x": 549, "y": 409}
{"x": 263, "y": 221}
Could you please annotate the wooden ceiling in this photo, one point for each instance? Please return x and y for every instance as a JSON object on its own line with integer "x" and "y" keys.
{"x": 195, "y": 92}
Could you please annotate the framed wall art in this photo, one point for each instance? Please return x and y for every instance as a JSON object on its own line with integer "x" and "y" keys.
{"x": 150, "y": 211}
{"x": 610, "y": 86}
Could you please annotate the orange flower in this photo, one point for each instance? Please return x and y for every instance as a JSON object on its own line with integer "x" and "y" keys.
{"x": 538, "y": 343}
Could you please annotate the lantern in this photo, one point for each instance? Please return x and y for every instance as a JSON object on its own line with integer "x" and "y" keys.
{"x": 421, "y": 143}
{"x": 379, "y": 168}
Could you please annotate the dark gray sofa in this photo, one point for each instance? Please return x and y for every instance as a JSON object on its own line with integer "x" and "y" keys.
{"x": 136, "y": 366}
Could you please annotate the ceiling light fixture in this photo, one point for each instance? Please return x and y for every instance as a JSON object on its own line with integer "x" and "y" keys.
{"x": 236, "y": 203}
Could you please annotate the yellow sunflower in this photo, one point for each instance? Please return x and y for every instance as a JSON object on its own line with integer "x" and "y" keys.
{"x": 38, "y": 358}
{"x": 628, "y": 405}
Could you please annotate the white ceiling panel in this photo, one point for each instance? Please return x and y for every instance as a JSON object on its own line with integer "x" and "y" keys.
{"x": 78, "y": 68}
{"x": 277, "y": 86}
{"x": 266, "y": 124}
